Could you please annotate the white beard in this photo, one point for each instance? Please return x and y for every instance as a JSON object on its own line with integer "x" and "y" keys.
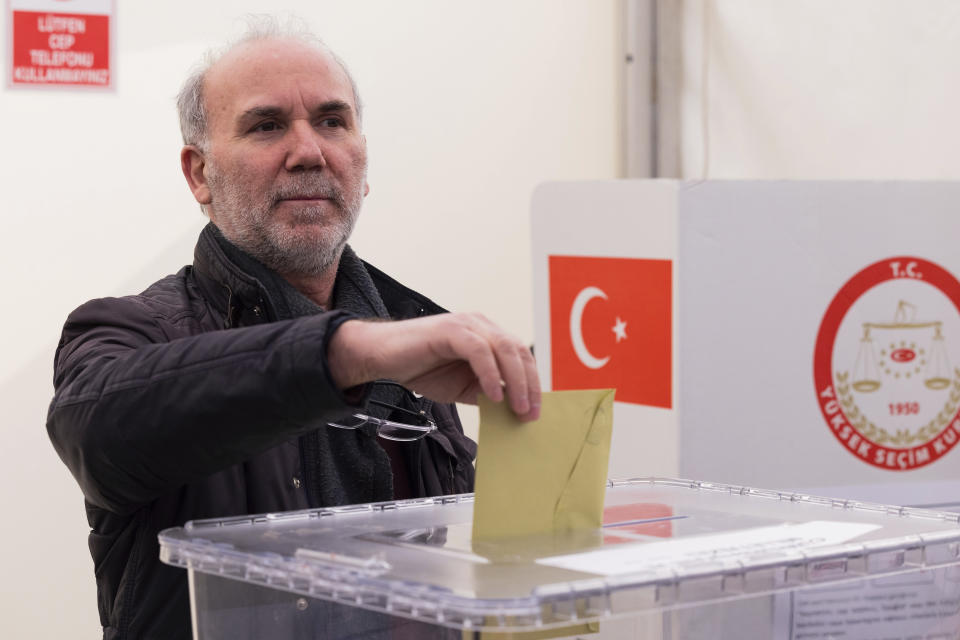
{"x": 288, "y": 249}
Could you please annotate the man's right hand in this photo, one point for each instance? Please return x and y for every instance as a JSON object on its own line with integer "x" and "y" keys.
{"x": 449, "y": 357}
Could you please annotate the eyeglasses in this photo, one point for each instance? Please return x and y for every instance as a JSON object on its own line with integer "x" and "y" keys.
{"x": 388, "y": 429}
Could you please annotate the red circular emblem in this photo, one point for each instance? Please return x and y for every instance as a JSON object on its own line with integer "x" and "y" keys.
{"x": 903, "y": 355}
{"x": 885, "y": 380}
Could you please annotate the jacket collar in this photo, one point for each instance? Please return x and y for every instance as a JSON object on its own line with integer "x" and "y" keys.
{"x": 234, "y": 282}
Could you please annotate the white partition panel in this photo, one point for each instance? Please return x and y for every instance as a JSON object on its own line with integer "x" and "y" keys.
{"x": 628, "y": 220}
{"x": 816, "y": 326}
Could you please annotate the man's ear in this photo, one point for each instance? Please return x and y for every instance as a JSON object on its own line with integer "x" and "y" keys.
{"x": 192, "y": 163}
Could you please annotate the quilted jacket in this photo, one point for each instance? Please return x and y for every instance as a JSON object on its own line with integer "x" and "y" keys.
{"x": 191, "y": 401}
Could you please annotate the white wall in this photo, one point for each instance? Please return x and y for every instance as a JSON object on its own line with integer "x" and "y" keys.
{"x": 820, "y": 89}
{"x": 469, "y": 106}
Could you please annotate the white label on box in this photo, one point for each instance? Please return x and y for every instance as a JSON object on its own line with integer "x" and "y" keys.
{"x": 914, "y": 605}
{"x": 734, "y": 545}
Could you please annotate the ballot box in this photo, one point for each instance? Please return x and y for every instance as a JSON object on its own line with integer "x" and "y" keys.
{"x": 674, "y": 559}
{"x": 787, "y": 334}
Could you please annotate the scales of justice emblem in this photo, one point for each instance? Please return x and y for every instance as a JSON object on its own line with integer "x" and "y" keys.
{"x": 885, "y": 364}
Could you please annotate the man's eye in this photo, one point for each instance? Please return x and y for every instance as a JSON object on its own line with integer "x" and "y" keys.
{"x": 267, "y": 126}
{"x": 331, "y": 122}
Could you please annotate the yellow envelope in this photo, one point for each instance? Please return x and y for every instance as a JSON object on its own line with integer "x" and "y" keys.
{"x": 544, "y": 476}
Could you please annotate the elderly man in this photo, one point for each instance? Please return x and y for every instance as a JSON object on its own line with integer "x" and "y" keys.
{"x": 215, "y": 392}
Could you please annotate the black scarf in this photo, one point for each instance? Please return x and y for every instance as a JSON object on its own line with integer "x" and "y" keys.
{"x": 340, "y": 466}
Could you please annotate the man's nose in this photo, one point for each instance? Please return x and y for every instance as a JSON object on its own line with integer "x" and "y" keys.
{"x": 305, "y": 150}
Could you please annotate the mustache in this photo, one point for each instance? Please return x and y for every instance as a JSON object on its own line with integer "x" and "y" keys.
{"x": 309, "y": 186}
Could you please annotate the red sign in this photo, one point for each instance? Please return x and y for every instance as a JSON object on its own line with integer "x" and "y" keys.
{"x": 59, "y": 48}
{"x": 611, "y": 325}
{"x": 885, "y": 364}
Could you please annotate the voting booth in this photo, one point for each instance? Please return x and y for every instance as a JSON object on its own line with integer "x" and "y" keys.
{"x": 673, "y": 559}
{"x": 801, "y": 335}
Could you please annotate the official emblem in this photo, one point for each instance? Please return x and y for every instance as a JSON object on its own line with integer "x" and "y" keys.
{"x": 887, "y": 363}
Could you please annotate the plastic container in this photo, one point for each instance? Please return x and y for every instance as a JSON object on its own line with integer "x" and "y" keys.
{"x": 674, "y": 559}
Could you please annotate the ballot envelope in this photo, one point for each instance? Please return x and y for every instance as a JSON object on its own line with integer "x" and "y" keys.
{"x": 673, "y": 559}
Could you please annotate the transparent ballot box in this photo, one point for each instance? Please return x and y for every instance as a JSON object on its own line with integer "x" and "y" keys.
{"x": 673, "y": 559}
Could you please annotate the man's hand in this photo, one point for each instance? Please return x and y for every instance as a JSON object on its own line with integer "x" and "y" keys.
{"x": 448, "y": 358}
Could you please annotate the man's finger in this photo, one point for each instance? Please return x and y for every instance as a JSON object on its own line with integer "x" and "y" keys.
{"x": 476, "y": 350}
{"x": 513, "y": 372}
{"x": 533, "y": 385}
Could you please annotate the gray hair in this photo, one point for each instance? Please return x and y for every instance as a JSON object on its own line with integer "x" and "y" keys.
{"x": 190, "y": 100}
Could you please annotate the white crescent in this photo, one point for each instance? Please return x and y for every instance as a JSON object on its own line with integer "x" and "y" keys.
{"x": 576, "y": 329}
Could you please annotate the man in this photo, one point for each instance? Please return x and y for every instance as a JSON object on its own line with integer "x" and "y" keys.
{"x": 209, "y": 394}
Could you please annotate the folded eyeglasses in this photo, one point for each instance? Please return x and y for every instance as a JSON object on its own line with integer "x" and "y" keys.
{"x": 388, "y": 429}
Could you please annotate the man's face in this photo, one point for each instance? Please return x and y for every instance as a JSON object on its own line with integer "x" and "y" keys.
{"x": 286, "y": 162}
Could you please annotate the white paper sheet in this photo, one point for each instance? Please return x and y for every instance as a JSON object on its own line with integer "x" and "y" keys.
{"x": 761, "y": 541}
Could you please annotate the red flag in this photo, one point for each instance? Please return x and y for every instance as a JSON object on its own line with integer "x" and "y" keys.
{"x": 638, "y": 518}
{"x": 611, "y": 326}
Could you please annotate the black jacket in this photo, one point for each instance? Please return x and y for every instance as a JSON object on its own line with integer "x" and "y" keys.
{"x": 163, "y": 415}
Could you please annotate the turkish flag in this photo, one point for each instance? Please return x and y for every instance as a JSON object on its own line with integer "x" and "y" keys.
{"x": 611, "y": 325}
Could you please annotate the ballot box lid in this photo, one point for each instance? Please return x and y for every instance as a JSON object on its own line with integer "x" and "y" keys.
{"x": 664, "y": 543}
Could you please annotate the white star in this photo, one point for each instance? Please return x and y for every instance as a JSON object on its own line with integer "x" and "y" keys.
{"x": 620, "y": 328}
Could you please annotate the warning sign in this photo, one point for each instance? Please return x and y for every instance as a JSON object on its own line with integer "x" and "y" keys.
{"x": 61, "y": 42}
